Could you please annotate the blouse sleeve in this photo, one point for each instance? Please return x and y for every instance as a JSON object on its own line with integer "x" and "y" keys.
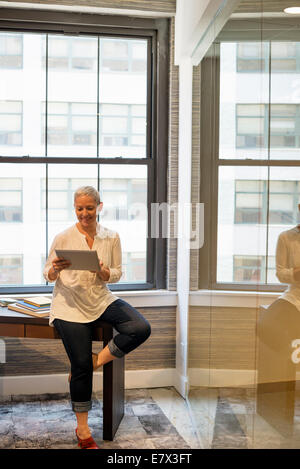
{"x": 48, "y": 264}
{"x": 284, "y": 273}
{"x": 116, "y": 261}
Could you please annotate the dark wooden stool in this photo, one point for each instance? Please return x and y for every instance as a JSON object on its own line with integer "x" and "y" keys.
{"x": 13, "y": 324}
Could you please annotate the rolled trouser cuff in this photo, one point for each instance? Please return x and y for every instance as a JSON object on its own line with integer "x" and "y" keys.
{"x": 81, "y": 406}
{"x": 114, "y": 350}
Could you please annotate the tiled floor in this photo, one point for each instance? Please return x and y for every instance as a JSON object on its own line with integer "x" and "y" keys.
{"x": 245, "y": 418}
{"x": 154, "y": 418}
{"x": 160, "y": 418}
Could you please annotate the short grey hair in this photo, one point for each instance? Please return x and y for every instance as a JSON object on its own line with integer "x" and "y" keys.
{"x": 87, "y": 190}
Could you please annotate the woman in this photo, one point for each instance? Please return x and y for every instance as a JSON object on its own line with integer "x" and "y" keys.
{"x": 80, "y": 298}
{"x": 280, "y": 324}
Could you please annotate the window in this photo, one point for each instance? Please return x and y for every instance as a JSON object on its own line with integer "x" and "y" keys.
{"x": 251, "y": 202}
{"x": 255, "y": 168}
{"x": 250, "y": 130}
{"x": 11, "y": 269}
{"x": 253, "y": 122}
{"x": 11, "y": 123}
{"x": 252, "y": 269}
{"x": 70, "y": 53}
{"x": 11, "y": 200}
{"x": 133, "y": 267}
{"x": 60, "y": 197}
{"x": 118, "y": 196}
{"x": 11, "y": 51}
{"x": 123, "y": 125}
{"x": 89, "y": 116}
{"x": 70, "y": 124}
{"x": 253, "y": 57}
{"x": 118, "y": 55}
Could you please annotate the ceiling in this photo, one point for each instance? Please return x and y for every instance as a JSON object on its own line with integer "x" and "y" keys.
{"x": 265, "y": 6}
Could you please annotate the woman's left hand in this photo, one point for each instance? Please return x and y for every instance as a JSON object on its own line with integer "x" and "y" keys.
{"x": 104, "y": 273}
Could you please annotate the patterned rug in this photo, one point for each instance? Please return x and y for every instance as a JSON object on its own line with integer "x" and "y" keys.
{"x": 47, "y": 421}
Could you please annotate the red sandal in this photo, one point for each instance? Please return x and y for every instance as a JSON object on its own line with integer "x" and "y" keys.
{"x": 88, "y": 443}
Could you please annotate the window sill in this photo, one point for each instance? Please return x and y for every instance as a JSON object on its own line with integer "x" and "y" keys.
{"x": 234, "y": 299}
{"x": 211, "y": 298}
{"x": 137, "y": 298}
{"x": 149, "y": 298}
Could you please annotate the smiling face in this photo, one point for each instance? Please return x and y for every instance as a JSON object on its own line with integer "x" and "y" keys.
{"x": 86, "y": 211}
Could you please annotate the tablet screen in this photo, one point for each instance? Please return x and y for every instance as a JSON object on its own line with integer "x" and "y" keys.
{"x": 80, "y": 260}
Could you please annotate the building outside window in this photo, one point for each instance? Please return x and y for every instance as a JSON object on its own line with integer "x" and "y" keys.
{"x": 11, "y": 210}
{"x": 70, "y": 124}
{"x": 259, "y": 202}
{"x": 121, "y": 125}
{"x": 254, "y": 57}
{"x": 253, "y": 122}
{"x": 11, "y": 51}
{"x": 11, "y": 269}
{"x": 118, "y": 55}
{"x": 11, "y": 117}
{"x": 118, "y": 195}
{"x": 252, "y": 269}
{"x": 66, "y": 53}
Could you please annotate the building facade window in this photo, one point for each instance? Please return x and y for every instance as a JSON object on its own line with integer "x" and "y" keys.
{"x": 11, "y": 210}
{"x": 253, "y": 57}
{"x": 253, "y": 125}
{"x": 275, "y": 202}
{"x": 252, "y": 269}
{"x": 70, "y": 124}
{"x": 11, "y": 269}
{"x": 11, "y": 117}
{"x": 123, "y": 125}
{"x": 11, "y": 51}
{"x": 118, "y": 55}
{"x": 117, "y": 195}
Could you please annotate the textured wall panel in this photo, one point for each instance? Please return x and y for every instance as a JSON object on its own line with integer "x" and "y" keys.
{"x": 165, "y": 6}
{"x": 42, "y": 356}
{"x": 195, "y": 176}
{"x": 222, "y": 338}
{"x": 173, "y": 161}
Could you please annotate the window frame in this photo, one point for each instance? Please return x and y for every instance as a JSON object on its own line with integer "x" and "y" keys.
{"x": 156, "y": 31}
{"x": 210, "y": 164}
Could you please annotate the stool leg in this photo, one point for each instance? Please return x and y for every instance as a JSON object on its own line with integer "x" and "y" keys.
{"x": 113, "y": 393}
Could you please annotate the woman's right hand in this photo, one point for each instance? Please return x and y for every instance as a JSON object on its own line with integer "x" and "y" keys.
{"x": 58, "y": 264}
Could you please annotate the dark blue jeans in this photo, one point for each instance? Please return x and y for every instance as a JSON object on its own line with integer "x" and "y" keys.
{"x": 133, "y": 329}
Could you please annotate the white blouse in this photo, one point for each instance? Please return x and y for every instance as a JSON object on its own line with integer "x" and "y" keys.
{"x": 288, "y": 257}
{"x": 79, "y": 295}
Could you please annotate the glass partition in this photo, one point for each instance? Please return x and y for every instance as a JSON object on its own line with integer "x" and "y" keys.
{"x": 244, "y": 322}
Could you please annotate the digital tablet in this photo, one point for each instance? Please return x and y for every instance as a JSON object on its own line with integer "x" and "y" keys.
{"x": 80, "y": 260}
